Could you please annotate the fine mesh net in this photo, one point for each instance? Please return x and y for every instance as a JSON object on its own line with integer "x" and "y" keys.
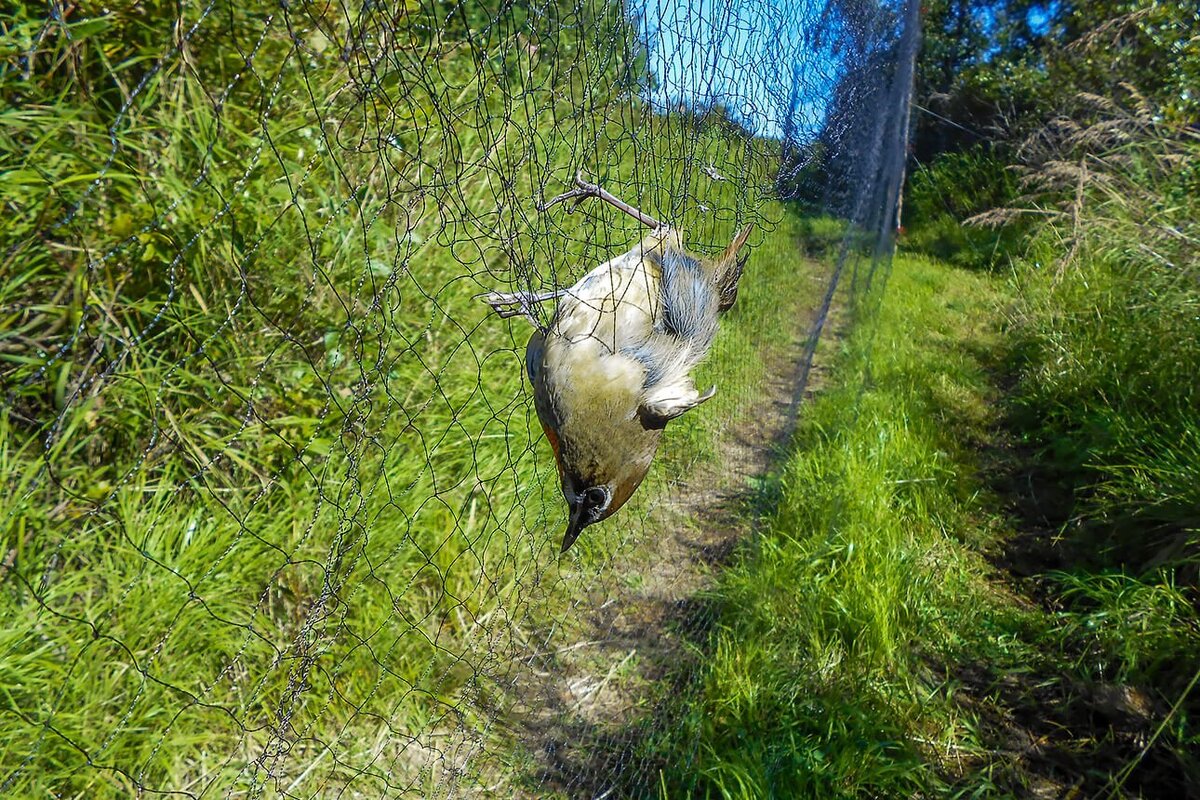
{"x": 278, "y": 516}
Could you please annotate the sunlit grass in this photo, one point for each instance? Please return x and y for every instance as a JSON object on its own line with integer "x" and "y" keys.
{"x": 276, "y": 506}
{"x": 815, "y": 685}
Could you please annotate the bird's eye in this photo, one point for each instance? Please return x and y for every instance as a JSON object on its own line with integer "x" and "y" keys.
{"x": 598, "y": 499}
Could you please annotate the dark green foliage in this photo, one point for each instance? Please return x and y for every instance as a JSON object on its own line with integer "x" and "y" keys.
{"x": 1149, "y": 44}
{"x": 1108, "y": 329}
{"x": 980, "y": 75}
{"x": 944, "y": 194}
{"x": 1088, "y": 185}
{"x": 988, "y": 76}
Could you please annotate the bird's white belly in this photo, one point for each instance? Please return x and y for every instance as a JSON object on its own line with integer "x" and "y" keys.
{"x": 615, "y": 305}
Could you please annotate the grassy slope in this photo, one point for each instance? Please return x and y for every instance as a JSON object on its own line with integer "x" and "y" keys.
{"x": 296, "y": 506}
{"x": 864, "y": 646}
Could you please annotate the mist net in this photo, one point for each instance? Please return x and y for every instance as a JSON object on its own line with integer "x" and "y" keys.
{"x": 278, "y": 516}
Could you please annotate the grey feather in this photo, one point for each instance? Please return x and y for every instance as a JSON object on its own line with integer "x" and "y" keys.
{"x": 688, "y": 324}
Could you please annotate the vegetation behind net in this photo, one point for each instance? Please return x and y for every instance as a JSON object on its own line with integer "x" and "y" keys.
{"x": 276, "y": 519}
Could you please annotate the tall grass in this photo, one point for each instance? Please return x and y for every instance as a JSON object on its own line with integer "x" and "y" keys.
{"x": 1108, "y": 323}
{"x": 276, "y": 509}
{"x": 818, "y": 681}
{"x": 1106, "y": 330}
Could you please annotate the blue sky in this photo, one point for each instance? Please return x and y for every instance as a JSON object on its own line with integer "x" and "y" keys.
{"x": 744, "y": 54}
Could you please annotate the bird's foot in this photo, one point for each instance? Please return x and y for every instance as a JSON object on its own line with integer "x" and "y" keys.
{"x": 517, "y": 304}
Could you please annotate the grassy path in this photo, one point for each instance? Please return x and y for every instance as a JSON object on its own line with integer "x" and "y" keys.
{"x": 586, "y": 705}
{"x": 879, "y": 638}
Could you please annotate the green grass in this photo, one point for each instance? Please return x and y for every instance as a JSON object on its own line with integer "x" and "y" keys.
{"x": 815, "y": 685}
{"x": 276, "y": 513}
{"x": 865, "y": 646}
{"x": 277, "y": 517}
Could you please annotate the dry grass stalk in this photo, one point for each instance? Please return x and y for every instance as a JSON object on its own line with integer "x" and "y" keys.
{"x": 1090, "y": 174}
{"x": 1110, "y": 33}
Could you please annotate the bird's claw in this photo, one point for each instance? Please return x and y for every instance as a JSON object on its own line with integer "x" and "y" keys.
{"x": 506, "y": 306}
{"x": 517, "y": 304}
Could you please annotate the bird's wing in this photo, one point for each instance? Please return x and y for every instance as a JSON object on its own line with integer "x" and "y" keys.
{"x": 668, "y": 401}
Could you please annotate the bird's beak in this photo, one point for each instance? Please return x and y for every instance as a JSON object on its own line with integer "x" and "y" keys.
{"x": 574, "y": 526}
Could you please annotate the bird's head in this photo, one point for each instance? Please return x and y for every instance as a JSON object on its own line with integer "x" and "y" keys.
{"x": 598, "y": 496}
{"x": 604, "y": 429}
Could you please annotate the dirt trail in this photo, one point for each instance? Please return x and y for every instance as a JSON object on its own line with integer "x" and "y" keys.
{"x": 589, "y": 702}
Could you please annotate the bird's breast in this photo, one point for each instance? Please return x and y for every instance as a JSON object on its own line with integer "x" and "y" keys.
{"x": 593, "y": 396}
{"x": 588, "y": 381}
